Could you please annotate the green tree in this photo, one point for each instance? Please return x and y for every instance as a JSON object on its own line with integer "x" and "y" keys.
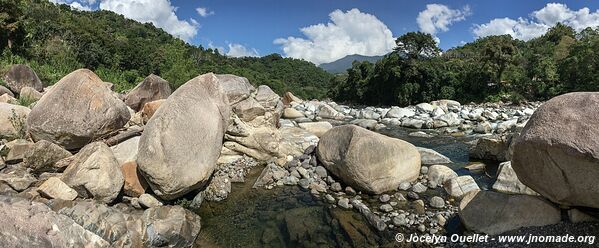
{"x": 417, "y": 44}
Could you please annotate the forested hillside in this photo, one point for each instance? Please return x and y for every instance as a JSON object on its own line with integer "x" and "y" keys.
{"x": 488, "y": 69}
{"x": 56, "y": 40}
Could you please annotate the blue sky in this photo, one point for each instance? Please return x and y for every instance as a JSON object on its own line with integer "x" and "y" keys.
{"x": 325, "y": 30}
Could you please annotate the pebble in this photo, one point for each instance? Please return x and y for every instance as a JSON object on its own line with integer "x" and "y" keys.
{"x": 400, "y": 197}
{"x": 303, "y": 172}
{"x": 329, "y": 198}
{"x": 336, "y": 187}
{"x": 404, "y": 186}
{"x": 440, "y": 219}
{"x": 418, "y": 205}
{"x": 419, "y": 188}
{"x": 321, "y": 171}
{"x": 386, "y": 208}
{"x": 413, "y": 196}
{"x": 421, "y": 228}
{"x": 437, "y": 202}
{"x": 344, "y": 203}
{"x": 423, "y": 170}
{"x": 350, "y": 191}
{"x": 384, "y": 198}
{"x": 304, "y": 183}
{"x": 400, "y": 220}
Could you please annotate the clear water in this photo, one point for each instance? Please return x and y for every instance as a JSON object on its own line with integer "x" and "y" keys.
{"x": 290, "y": 217}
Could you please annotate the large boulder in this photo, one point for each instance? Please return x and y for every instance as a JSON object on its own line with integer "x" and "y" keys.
{"x": 54, "y": 188}
{"x": 77, "y": 110}
{"x": 43, "y": 156}
{"x": 126, "y": 151}
{"x": 366, "y": 160}
{"x": 557, "y": 153}
{"x": 151, "y": 89}
{"x": 182, "y": 141}
{"x": 95, "y": 173}
{"x": 19, "y": 76}
{"x": 237, "y": 88}
{"x": 495, "y": 213}
{"x": 13, "y": 120}
{"x": 267, "y": 97}
{"x": 508, "y": 182}
{"x": 317, "y": 128}
{"x": 170, "y": 226}
{"x": 33, "y": 224}
{"x": 248, "y": 109}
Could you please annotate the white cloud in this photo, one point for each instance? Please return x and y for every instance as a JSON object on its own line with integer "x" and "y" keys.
{"x": 159, "y": 12}
{"x": 204, "y": 12}
{"x": 541, "y": 20}
{"x": 351, "y": 32}
{"x": 238, "y": 50}
{"x": 437, "y": 18}
{"x": 81, "y": 5}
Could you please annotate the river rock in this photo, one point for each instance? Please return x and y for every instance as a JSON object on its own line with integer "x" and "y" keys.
{"x": 508, "y": 182}
{"x": 42, "y": 157}
{"x": 18, "y": 149}
{"x": 171, "y": 226}
{"x": 54, "y": 188}
{"x": 152, "y": 88}
{"x": 6, "y": 98}
{"x": 78, "y": 109}
{"x": 327, "y": 112}
{"x": 19, "y": 76}
{"x": 460, "y": 186}
{"x": 431, "y": 157}
{"x": 30, "y": 94}
{"x": 557, "y": 153}
{"x": 492, "y": 148}
{"x": 182, "y": 141}
{"x": 135, "y": 184}
{"x": 291, "y": 113}
{"x": 347, "y": 152}
{"x": 437, "y": 202}
{"x": 149, "y": 109}
{"x": 400, "y": 113}
{"x": 126, "y": 151}
{"x": 17, "y": 178}
{"x": 425, "y": 107}
{"x": 149, "y": 201}
{"x": 95, "y": 173}
{"x": 236, "y": 88}
{"x": 4, "y": 90}
{"x": 317, "y": 128}
{"x": 248, "y": 109}
{"x": 218, "y": 189}
{"x": 438, "y": 175}
{"x": 13, "y": 120}
{"x": 288, "y": 98}
{"x": 266, "y": 97}
{"x": 495, "y": 213}
{"x": 33, "y": 224}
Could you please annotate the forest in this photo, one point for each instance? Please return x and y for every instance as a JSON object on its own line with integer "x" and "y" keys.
{"x": 490, "y": 69}
{"x": 56, "y": 40}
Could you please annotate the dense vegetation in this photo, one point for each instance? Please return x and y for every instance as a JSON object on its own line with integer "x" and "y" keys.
{"x": 55, "y": 40}
{"x": 488, "y": 69}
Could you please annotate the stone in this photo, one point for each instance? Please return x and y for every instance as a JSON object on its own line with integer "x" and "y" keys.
{"x": 384, "y": 198}
{"x": 557, "y": 153}
{"x": 6, "y": 98}
{"x": 347, "y": 152}
{"x": 321, "y": 171}
{"x": 400, "y": 113}
{"x": 17, "y": 178}
{"x": 135, "y": 184}
{"x": 419, "y": 188}
{"x": 152, "y": 88}
{"x": 149, "y": 109}
{"x": 476, "y": 167}
{"x": 267, "y": 97}
{"x": 181, "y": 143}
{"x": 218, "y": 189}
{"x": 327, "y": 112}
{"x": 431, "y": 157}
{"x": 386, "y": 208}
{"x": 437, "y": 202}
{"x": 418, "y": 206}
{"x": 291, "y": 113}
{"x": 577, "y": 216}
{"x": 404, "y": 186}
{"x": 19, "y": 76}
{"x": 30, "y": 94}
{"x": 126, "y": 151}
{"x": 508, "y": 182}
{"x": 270, "y": 174}
{"x": 344, "y": 203}
{"x": 317, "y": 128}
{"x": 425, "y": 107}
{"x": 149, "y": 201}
{"x": 236, "y": 88}
{"x": 170, "y": 226}
{"x": 95, "y": 173}
{"x": 54, "y": 188}
{"x": 412, "y": 123}
{"x": 17, "y": 151}
{"x": 288, "y": 98}
{"x": 492, "y": 148}
{"x": 43, "y": 155}
{"x": 13, "y": 120}
{"x": 423, "y": 170}
{"x": 460, "y": 186}
{"x": 495, "y": 213}
{"x": 248, "y": 109}
{"x": 33, "y": 224}
{"x": 77, "y": 110}
{"x": 336, "y": 187}
{"x": 483, "y": 128}
{"x": 4, "y": 90}
{"x": 439, "y": 174}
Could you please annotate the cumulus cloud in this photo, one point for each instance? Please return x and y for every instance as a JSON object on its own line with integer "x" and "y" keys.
{"x": 540, "y": 21}
{"x": 158, "y": 12}
{"x": 80, "y": 5}
{"x": 238, "y": 50}
{"x": 350, "y": 32}
{"x": 204, "y": 12}
{"x": 438, "y": 17}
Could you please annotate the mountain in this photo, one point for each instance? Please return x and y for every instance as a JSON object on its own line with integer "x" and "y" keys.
{"x": 341, "y": 65}
{"x": 55, "y": 40}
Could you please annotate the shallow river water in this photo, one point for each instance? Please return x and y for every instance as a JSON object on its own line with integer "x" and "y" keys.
{"x": 290, "y": 217}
